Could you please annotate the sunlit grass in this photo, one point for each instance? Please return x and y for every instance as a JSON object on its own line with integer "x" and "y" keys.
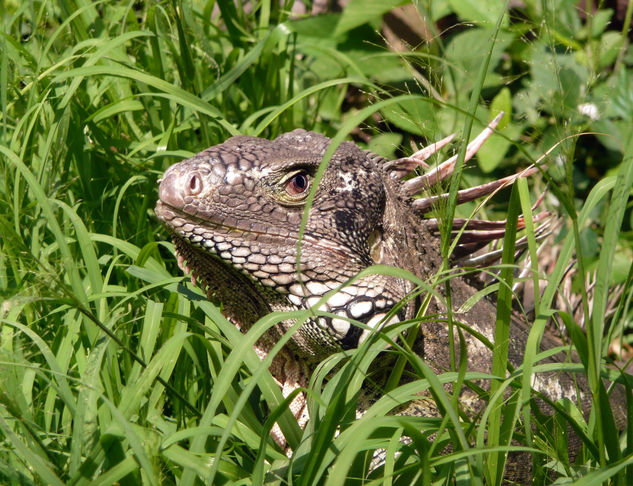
{"x": 115, "y": 370}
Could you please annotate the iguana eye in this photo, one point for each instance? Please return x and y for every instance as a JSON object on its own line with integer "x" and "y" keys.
{"x": 297, "y": 184}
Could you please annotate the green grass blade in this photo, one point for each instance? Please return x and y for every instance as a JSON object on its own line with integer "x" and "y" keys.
{"x": 502, "y": 342}
{"x": 175, "y": 93}
{"x": 39, "y": 466}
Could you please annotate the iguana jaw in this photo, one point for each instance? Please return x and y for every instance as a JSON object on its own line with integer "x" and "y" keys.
{"x": 243, "y": 299}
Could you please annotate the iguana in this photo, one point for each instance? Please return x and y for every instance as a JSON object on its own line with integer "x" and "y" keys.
{"x": 235, "y": 209}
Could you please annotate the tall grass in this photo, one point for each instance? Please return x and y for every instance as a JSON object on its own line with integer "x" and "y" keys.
{"x": 115, "y": 370}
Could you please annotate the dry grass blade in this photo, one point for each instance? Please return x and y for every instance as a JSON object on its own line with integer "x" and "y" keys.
{"x": 465, "y": 195}
{"x": 404, "y": 166}
{"x": 445, "y": 169}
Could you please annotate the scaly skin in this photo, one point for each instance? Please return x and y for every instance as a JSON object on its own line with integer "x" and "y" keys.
{"x": 235, "y": 211}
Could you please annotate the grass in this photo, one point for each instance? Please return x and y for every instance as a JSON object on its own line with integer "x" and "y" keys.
{"x": 115, "y": 370}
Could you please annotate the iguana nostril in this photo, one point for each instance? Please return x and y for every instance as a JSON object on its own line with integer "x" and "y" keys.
{"x": 194, "y": 184}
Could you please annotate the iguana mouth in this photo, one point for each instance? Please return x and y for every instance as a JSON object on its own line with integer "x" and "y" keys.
{"x": 179, "y": 221}
{"x": 200, "y": 231}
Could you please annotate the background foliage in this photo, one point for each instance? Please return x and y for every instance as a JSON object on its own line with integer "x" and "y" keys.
{"x": 114, "y": 371}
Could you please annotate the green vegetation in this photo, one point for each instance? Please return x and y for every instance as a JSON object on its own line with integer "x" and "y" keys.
{"x": 115, "y": 370}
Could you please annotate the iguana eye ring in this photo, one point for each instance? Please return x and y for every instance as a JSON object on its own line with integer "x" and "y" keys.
{"x": 298, "y": 184}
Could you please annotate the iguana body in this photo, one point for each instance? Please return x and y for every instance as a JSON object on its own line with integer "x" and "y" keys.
{"x": 235, "y": 212}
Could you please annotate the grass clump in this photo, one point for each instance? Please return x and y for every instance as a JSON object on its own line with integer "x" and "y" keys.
{"x": 113, "y": 370}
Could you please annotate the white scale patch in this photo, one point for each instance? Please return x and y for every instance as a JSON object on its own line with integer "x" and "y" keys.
{"x": 341, "y": 326}
{"x": 295, "y": 299}
{"x": 274, "y": 259}
{"x": 297, "y": 290}
{"x": 257, "y": 258}
{"x": 286, "y": 268}
{"x": 317, "y": 288}
{"x": 241, "y": 252}
{"x": 258, "y": 172}
{"x": 312, "y": 301}
{"x": 348, "y": 179}
{"x": 231, "y": 177}
{"x": 360, "y": 309}
{"x": 553, "y": 388}
{"x": 282, "y": 278}
{"x": 375, "y": 322}
{"x": 338, "y": 300}
{"x": 351, "y": 291}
